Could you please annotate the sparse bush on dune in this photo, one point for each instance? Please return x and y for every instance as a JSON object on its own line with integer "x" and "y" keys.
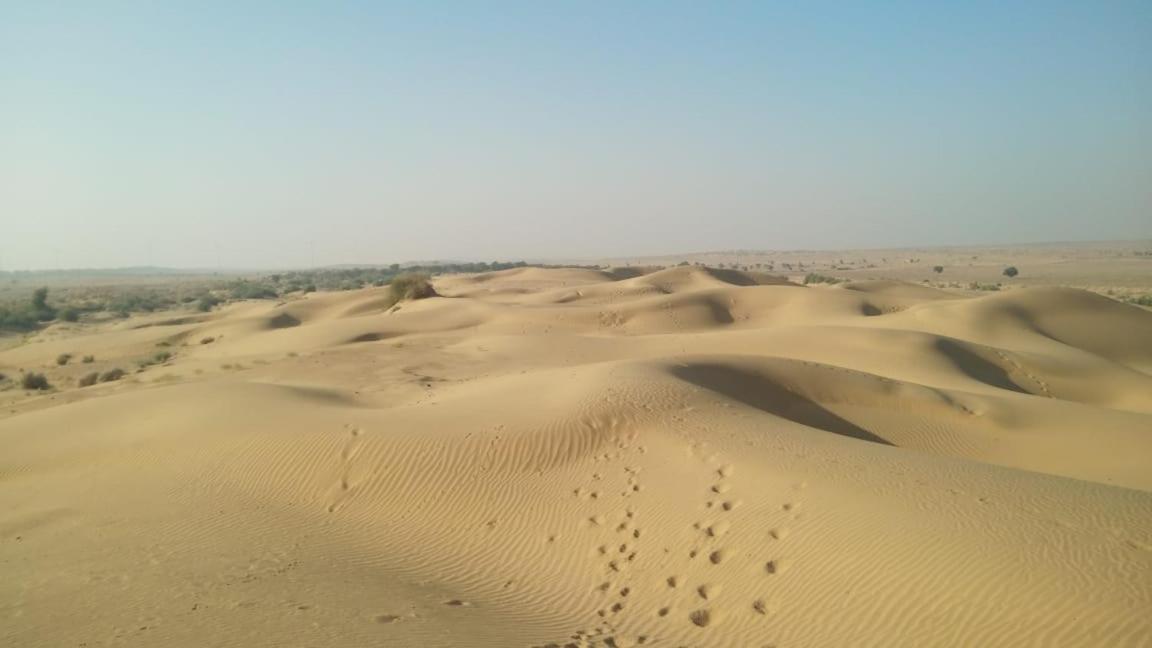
{"x": 1011, "y": 271}
{"x": 411, "y": 286}
{"x": 88, "y": 359}
{"x": 158, "y": 358}
{"x": 35, "y": 381}
{"x": 87, "y": 380}
{"x": 112, "y": 375}
{"x": 814, "y": 278}
{"x": 63, "y": 359}
{"x": 207, "y": 340}
{"x": 937, "y": 269}
{"x": 979, "y": 286}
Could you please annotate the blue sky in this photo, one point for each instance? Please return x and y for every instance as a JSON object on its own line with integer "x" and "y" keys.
{"x": 277, "y": 133}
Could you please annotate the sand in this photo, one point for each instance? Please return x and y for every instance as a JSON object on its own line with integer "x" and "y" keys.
{"x": 563, "y": 457}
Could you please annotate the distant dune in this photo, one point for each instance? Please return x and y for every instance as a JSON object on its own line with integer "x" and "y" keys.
{"x": 578, "y": 457}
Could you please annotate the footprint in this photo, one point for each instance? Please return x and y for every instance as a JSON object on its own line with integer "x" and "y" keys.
{"x": 702, "y": 617}
{"x": 717, "y": 530}
{"x": 718, "y": 556}
{"x": 672, "y": 581}
{"x": 729, "y": 505}
{"x": 721, "y": 488}
{"x": 779, "y": 534}
{"x": 775, "y": 566}
{"x": 726, "y": 471}
{"x": 708, "y": 591}
{"x": 457, "y": 603}
{"x": 388, "y": 618}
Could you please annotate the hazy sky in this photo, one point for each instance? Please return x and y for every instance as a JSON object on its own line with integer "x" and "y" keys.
{"x": 257, "y": 134}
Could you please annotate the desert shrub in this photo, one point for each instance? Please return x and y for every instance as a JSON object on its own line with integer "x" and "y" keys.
{"x": 411, "y": 286}
{"x": 63, "y": 359}
{"x": 70, "y": 315}
{"x": 112, "y": 374}
{"x": 87, "y": 380}
{"x": 244, "y": 289}
{"x": 937, "y": 269}
{"x": 1140, "y": 300}
{"x": 18, "y": 319}
{"x": 207, "y": 340}
{"x": 979, "y": 286}
{"x": 1011, "y": 271}
{"x": 139, "y": 302}
{"x": 814, "y": 278}
{"x": 88, "y": 359}
{"x": 35, "y": 381}
{"x": 206, "y": 303}
{"x": 158, "y": 358}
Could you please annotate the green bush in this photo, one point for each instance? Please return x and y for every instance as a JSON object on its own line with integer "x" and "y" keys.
{"x": 411, "y": 285}
{"x": 244, "y": 289}
{"x": 206, "y": 303}
{"x": 1011, "y": 271}
{"x": 35, "y": 381}
{"x": 70, "y": 315}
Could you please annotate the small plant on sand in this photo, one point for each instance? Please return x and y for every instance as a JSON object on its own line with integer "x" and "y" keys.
{"x": 158, "y": 358}
{"x": 35, "y": 381}
{"x": 411, "y": 286}
{"x": 1011, "y": 271}
{"x": 88, "y": 359}
{"x": 63, "y": 359}
{"x": 87, "y": 380}
{"x": 207, "y": 340}
{"x": 937, "y": 269}
{"x": 112, "y": 374}
{"x": 813, "y": 278}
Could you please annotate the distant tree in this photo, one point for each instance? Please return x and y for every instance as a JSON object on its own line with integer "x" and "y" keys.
{"x": 937, "y": 269}
{"x": 40, "y": 298}
{"x": 1011, "y": 271}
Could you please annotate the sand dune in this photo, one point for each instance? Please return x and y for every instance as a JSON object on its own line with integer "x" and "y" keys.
{"x": 554, "y": 457}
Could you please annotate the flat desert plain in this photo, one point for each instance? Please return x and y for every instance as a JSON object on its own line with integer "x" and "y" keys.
{"x": 565, "y": 457}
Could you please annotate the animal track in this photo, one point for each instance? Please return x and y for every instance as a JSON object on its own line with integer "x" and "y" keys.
{"x": 702, "y": 617}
